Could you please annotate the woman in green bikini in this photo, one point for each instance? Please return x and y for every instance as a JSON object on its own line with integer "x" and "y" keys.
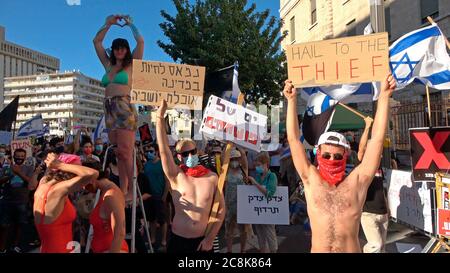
{"x": 120, "y": 114}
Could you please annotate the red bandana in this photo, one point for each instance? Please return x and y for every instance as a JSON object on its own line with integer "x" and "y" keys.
{"x": 333, "y": 171}
{"x": 197, "y": 171}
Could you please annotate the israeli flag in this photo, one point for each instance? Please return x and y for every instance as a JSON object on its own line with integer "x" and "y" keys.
{"x": 421, "y": 55}
{"x": 101, "y": 131}
{"x": 347, "y": 93}
{"x": 45, "y": 130}
{"x": 32, "y": 127}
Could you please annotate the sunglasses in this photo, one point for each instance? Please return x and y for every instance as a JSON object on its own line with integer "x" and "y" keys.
{"x": 335, "y": 156}
{"x": 187, "y": 153}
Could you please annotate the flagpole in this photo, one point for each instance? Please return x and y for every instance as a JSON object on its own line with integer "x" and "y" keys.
{"x": 353, "y": 110}
{"x": 445, "y": 38}
{"x": 220, "y": 185}
{"x": 429, "y": 104}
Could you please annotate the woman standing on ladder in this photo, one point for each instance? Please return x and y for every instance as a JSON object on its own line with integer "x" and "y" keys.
{"x": 120, "y": 114}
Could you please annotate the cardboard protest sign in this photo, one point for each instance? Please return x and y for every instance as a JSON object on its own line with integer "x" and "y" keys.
{"x": 22, "y": 144}
{"x": 226, "y": 121}
{"x": 430, "y": 152}
{"x": 254, "y": 208}
{"x": 409, "y": 202}
{"x": 180, "y": 85}
{"x": 346, "y": 60}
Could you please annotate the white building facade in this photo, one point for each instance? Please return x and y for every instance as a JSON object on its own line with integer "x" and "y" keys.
{"x": 65, "y": 100}
{"x": 16, "y": 60}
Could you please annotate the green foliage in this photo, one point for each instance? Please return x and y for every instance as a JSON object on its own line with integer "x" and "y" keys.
{"x": 216, "y": 33}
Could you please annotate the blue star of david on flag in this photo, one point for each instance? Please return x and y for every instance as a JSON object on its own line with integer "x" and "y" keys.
{"x": 404, "y": 62}
{"x": 310, "y": 110}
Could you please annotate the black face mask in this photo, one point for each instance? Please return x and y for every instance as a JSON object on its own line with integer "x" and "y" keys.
{"x": 114, "y": 161}
{"x": 18, "y": 161}
{"x": 59, "y": 149}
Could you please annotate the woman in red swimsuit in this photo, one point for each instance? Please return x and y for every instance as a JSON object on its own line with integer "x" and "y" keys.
{"x": 108, "y": 216}
{"x": 52, "y": 209}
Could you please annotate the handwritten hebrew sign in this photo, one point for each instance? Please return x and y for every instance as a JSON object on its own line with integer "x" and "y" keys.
{"x": 409, "y": 202}
{"x": 180, "y": 85}
{"x": 347, "y": 60}
{"x": 24, "y": 144}
{"x": 254, "y": 208}
{"x": 227, "y": 121}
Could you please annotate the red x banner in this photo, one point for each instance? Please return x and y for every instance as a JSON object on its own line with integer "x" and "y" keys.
{"x": 430, "y": 152}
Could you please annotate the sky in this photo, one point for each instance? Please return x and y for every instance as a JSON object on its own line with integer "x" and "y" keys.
{"x": 65, "y": 28}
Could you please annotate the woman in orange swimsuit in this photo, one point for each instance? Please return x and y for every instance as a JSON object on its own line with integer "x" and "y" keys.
{"x": 52, "y": 209}
{"x": 120, "y": 114}
{"x": 108, "y": 216}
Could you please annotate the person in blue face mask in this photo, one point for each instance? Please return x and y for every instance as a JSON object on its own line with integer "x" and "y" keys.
{"x": 266, "y": 182}
{"x": 99, "y": 149}
{"x": 192, "y": 188}
{"x": 156, "y": 206}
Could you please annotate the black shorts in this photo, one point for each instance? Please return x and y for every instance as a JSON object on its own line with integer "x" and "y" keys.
{"x": 178, "y": 244}
{"x": 156, "y": 211}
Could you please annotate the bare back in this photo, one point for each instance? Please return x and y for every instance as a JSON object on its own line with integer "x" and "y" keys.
{"x": 335, "y": 213}
{"x": 192, "y": 198}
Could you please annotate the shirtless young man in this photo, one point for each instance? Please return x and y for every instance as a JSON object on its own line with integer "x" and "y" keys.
{"x": 335, "y": 202}
{"x": 192, "y": 188}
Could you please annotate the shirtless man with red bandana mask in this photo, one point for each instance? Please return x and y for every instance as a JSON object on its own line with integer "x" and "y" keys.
{"x": 335, "y": 202}
{"x": 192, "y": 189}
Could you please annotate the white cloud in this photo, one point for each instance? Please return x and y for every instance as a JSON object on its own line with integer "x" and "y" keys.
{"x": 73, "y": 2}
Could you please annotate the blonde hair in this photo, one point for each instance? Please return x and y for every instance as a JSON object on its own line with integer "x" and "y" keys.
{"x": 263, "y": 158}
{"x": 181, "y": 143}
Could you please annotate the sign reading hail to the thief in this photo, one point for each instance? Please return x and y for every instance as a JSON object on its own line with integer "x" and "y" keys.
{"x": 339, "y": 61}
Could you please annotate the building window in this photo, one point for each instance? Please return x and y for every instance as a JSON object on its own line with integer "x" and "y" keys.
{"x": 313, "y": 12}
{"x": 429, "y": 8}
{"x": 351, "y": 28}
{"x": 292, "y": 29}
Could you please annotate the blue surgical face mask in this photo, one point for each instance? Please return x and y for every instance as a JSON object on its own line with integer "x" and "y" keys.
{"x": 234, "y": 164}
{"x": 99, "y": 148}
{"x": 259, "y": 170}
{"x": 150, "y": 156}
{"x": 191, "y": 161}
{"x": 315, "y": 151}
{"x": 2, "y": 154}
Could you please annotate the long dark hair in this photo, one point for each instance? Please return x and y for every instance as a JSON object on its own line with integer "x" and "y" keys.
{"x": 121, "y": 43}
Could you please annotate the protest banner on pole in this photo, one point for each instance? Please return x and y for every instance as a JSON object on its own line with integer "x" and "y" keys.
{"x": 226, "y": 121}
{"x": 22, "y": 144}
{"x": 180, "y": 85}
{"x": 255, "y": 208}
{"x": 354, "y": 59}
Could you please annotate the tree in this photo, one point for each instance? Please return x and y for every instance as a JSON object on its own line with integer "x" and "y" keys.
{"x": 216, "y": 33}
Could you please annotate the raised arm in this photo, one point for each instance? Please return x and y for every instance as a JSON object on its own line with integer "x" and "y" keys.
{"x": 364, "y": 138}
{"x": 138, "y": 52}
{"x": 301, "y": 162}
{"x": 84, "y": 175}
{"x": 98, "y": 39}
{"x": 243, "y": 160}
{"x": 170, "y": 168}
{"x": 372, "y": 156}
